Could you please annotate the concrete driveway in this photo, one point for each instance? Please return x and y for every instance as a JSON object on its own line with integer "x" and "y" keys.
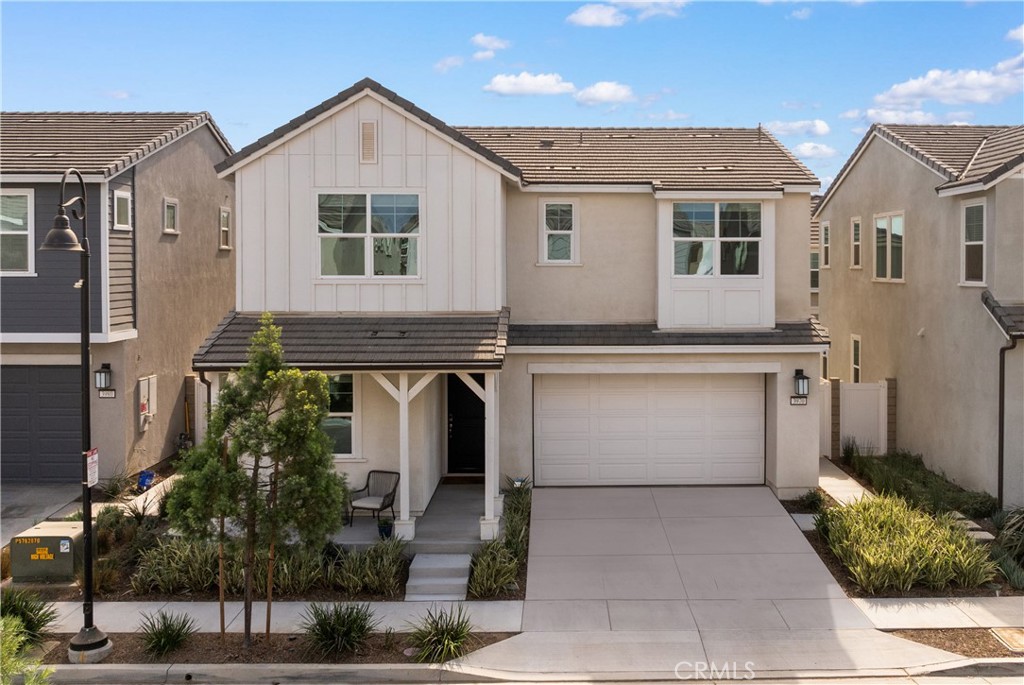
{"x": 675, "y": 558}
{"x": 23, "y": 505}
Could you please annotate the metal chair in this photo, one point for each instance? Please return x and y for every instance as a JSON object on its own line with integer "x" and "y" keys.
{"x": 377, "y": 495}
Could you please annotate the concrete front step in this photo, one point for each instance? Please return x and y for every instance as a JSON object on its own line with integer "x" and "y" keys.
{"x": 426, "y": 546}
{"x": 435, "y": 598}
{"x": 438, "y": 577}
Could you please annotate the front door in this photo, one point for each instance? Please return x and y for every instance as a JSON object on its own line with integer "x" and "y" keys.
{"x": 465, "y": 427}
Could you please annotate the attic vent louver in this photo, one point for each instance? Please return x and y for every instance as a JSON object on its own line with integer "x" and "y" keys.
{"x": 368, "y": 142}
{"x": 547, "y": 142}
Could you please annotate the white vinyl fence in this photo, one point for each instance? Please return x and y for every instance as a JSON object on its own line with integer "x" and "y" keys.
{"x": 863, "y": 412}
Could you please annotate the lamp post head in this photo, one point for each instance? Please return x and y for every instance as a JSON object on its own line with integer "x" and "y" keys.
{"x": 61, "y": 238}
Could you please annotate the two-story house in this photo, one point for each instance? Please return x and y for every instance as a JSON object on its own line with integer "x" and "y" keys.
{"x": 161, "y": 275}
{"x": 922, "y": 280}
{"x": 582, "y": 306}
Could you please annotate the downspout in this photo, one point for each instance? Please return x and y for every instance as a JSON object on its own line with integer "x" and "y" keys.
{"x": 209, "y": 394}
{"x": 1001, "y": 450}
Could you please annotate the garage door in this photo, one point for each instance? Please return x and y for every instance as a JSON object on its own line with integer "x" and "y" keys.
{"x": 40, "y": 419}
{"x": 649, "y": 429}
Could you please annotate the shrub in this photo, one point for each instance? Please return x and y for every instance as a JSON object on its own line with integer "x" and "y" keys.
{"x": 1009, "y": 567}
{"x": 886, "y": 544}
{"x": 177, "y": 565}
{"x": 376, "y": 570}
{"x": 493, "y": 570}
{"x": 13, "y": 662}
{"x": 117, "y": 486}
{"x": 297, "y": 572}
{"x": 338, "y": 628}
{"x": 163, "y": 633}
{"x": 1011, "y": 533}
{"x": 811, "y": 501}
{"x": 35, "y": 615}
{"x": 106, "y": 574}
{"x": 442, "y": 635}
{"x": 849, "y": 450}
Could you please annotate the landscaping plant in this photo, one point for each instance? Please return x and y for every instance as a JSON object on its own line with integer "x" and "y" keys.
{"x": 13, "y": 662}
{"x": 442, "y": 635}
{"x": 163, "y": 633}
{"x": 333, "y": 630}
{"x": 177, "y": 565}
{"x": 377, "y": 570}
{"x": 493, "y": 571}
{"x": 811, "y": 501}
{"x": 35, "y": 614}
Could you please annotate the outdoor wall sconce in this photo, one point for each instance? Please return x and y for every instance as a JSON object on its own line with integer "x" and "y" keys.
{"x": 802, "y": 383}
{"x": 103, "y": 377}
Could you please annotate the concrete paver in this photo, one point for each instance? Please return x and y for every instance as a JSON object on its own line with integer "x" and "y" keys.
{"x": 554, "y": 616}
{"x": 962, "y": 612}
{"x": 735, "y": 535}
{"x": 603, "y": 577}
{"x": 823, "y": 614}
{"x": 838, "y": 484}
{"x": 593, "y": 503}
{"x": 757, "y": 576}
{"x": 716, "y": 502}
{"x": 650, "y": 615}
{"x": 732, "y": 614}
{"x": 580, "y": 537}
{"x": 993, "y": 612}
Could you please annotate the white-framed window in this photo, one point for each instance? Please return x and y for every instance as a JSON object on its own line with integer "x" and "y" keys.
{"x": 171, "y": 217}
{"x": 340, "y": 424}
{"x": 716, "y": 238}
{"x": 889, "y": 246}
{"x": 855, "y": 358}
{"x": 17, "y": 232}
{"x": 855, "y": 242}
{"x": 369, "y": 234}
{"x": 826, "y": 245}
{"x": 559, "y": 232}
{"x": 972, "y": 253}
{"x": 224, "y": 226}
{"x": 122, "y": 210}
{"x": 815, "y": 271}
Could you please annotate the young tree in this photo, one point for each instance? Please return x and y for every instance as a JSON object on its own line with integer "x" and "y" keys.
{"x": 265, "y": 463}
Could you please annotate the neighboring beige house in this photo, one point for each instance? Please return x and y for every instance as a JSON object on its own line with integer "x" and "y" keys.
{"x": 582, "y": 306}
{"x": 924, "y": 283}
{"x": 162, "y": 274}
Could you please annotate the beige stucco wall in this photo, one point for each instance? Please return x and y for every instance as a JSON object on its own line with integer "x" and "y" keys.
{"x": 792, "y": 266}
{"x": 616, "y": 278}
{"x": 930, "y": 333}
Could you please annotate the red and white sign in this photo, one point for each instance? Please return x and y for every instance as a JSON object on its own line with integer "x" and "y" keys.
{"x": 92, "y": 467}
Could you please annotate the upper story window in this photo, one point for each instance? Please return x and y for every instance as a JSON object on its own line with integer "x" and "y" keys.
{"x": 224, "y": 224}
{"x": 815, "y": 273}
{"x": 368, "y": 234}
{"x": 889, "y": 246}
{"x": 122, "y": 210}
{"x": 170, "y": 216}
{"x": 716, "y": 238}
{"x": 826, "y": 245}
{"x": 972, "y": 260}
{"x": 855, "y": 243}
{"x": 559, "y": 232}
{"x": 17, "y": 232}
{"x": 340, "y": 413}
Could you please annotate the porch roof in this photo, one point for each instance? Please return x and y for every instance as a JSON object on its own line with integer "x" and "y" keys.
{"x": 345, "y": 342}
{"x": 809, "y": 332}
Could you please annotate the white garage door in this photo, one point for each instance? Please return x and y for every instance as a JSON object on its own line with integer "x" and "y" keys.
{"x": 649, "y": 429}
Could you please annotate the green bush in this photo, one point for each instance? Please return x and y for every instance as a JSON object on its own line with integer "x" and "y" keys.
{"x": 338, "y": 628}
{"x": 1009, "y": 567}
{"x": 163, "y": 633}
{"x": 493, "y": 570}
{"x": 175, "y": 566}
{"x": 13, "y": 662}
{"x": 442, "y": 635}
{"x": 117, "y": 487}
{"x": 1011, "y": 533}
{"x": 35, "y": 614}
{"x": 905, "y": 475}
{"x": 811, "y": 501}
{"x": 106, "y": 575}
{"x": 885, "y": 544}
{"x": 297, "y": 572}
{"x": 376, "y": 570}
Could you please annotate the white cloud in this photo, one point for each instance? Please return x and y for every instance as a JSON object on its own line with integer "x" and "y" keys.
{"x": 978, "y": 86}
{"x": 486, "y": 42}
{"x": 814, "y": 151}
{"x": 851, "y": 114}
{"x": 118, "y": 94}
{"x": 658, "y": 8}
{"x": 605, "y": 93}
{"x": 801, "y": 14}
{"x": 597, "y": 15}
{"x": 448, "y": 63}
{"x": 859, "y": 130}
{"x": 805, "y": 127}
{"x": 668, "y": 115}
{"x": 526, "y": 83}
{"x": 481, "y": 55}
{"x": 1016, "y": 34}
{"x": 899, "y": 116}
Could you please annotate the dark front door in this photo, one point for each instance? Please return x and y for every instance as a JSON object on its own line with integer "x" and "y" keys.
{"x": 465, "y": 427}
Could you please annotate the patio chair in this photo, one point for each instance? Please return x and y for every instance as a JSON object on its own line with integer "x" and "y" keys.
{"x": 377, "y": 495}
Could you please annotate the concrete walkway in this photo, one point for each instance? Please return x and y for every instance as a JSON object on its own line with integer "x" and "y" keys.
{"x": 838, "y": 484}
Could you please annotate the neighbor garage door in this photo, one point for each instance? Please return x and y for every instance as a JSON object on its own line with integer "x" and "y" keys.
{"x": 649, "y": 429}
{"x": 40, "y": 419}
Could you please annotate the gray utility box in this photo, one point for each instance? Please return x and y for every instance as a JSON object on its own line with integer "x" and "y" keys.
{"x": 50, "y": 552}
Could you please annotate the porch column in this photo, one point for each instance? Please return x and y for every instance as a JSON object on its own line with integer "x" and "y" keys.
{"x": 405, "y": 527}
{"x": 489, "y": 522}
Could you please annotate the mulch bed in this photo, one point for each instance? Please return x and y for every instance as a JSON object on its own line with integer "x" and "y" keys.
{"x": 976, "y": 643}
{"x": 278, "y": 649}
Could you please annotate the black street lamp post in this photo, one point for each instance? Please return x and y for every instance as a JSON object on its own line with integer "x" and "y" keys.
{"x": 91, "y": 643}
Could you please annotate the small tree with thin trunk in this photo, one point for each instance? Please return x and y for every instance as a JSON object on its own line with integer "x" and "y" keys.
{"x": 265, "y": 464}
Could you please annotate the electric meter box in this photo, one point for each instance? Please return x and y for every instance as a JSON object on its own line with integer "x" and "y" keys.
{"x": 50, "y": 551}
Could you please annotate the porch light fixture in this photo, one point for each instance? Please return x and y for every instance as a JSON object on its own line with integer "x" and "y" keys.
{"x": 103, "y": 377}
{"x": 802, "y": 383}
{"x": 90, "y": 644}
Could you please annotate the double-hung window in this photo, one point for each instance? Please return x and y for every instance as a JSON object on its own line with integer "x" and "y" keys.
{"x": 368, "y": 234}
{"x": 122, "y": 210}
{"x": 815, "y": 272}
{"x": 855, "y": 243}
{"x": 224, "y": 223}
{"x": 340, "y": 413}
{"x": 889, "y": 247}
{"x": 559, "y": 232}
{"x": 826, "y": 245}
{"x": 972, "y": 260}
{"x": 716, "y": 238}
{"x": 17, "y": 232}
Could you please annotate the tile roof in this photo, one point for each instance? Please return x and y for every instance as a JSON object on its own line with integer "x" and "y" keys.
{"x": 999, "y": 153}
{"x": 809, "y": 332}
{"x": 665, "y": 158}
{"x": 1010, "y": 317}
{"x": 366, "y": 342}
{"x": 95, "y": 143}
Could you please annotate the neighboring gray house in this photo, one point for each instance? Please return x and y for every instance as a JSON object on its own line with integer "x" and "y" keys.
{"x": 924, "y": 282}
{"x": 582, "y": 306}
{"x": 162, "y": 273}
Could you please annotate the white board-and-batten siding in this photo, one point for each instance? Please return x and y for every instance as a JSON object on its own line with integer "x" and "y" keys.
{"x": 462, "y": 262}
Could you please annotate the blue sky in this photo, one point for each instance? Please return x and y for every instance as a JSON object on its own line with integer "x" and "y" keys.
{"x": 817, "y": 73}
